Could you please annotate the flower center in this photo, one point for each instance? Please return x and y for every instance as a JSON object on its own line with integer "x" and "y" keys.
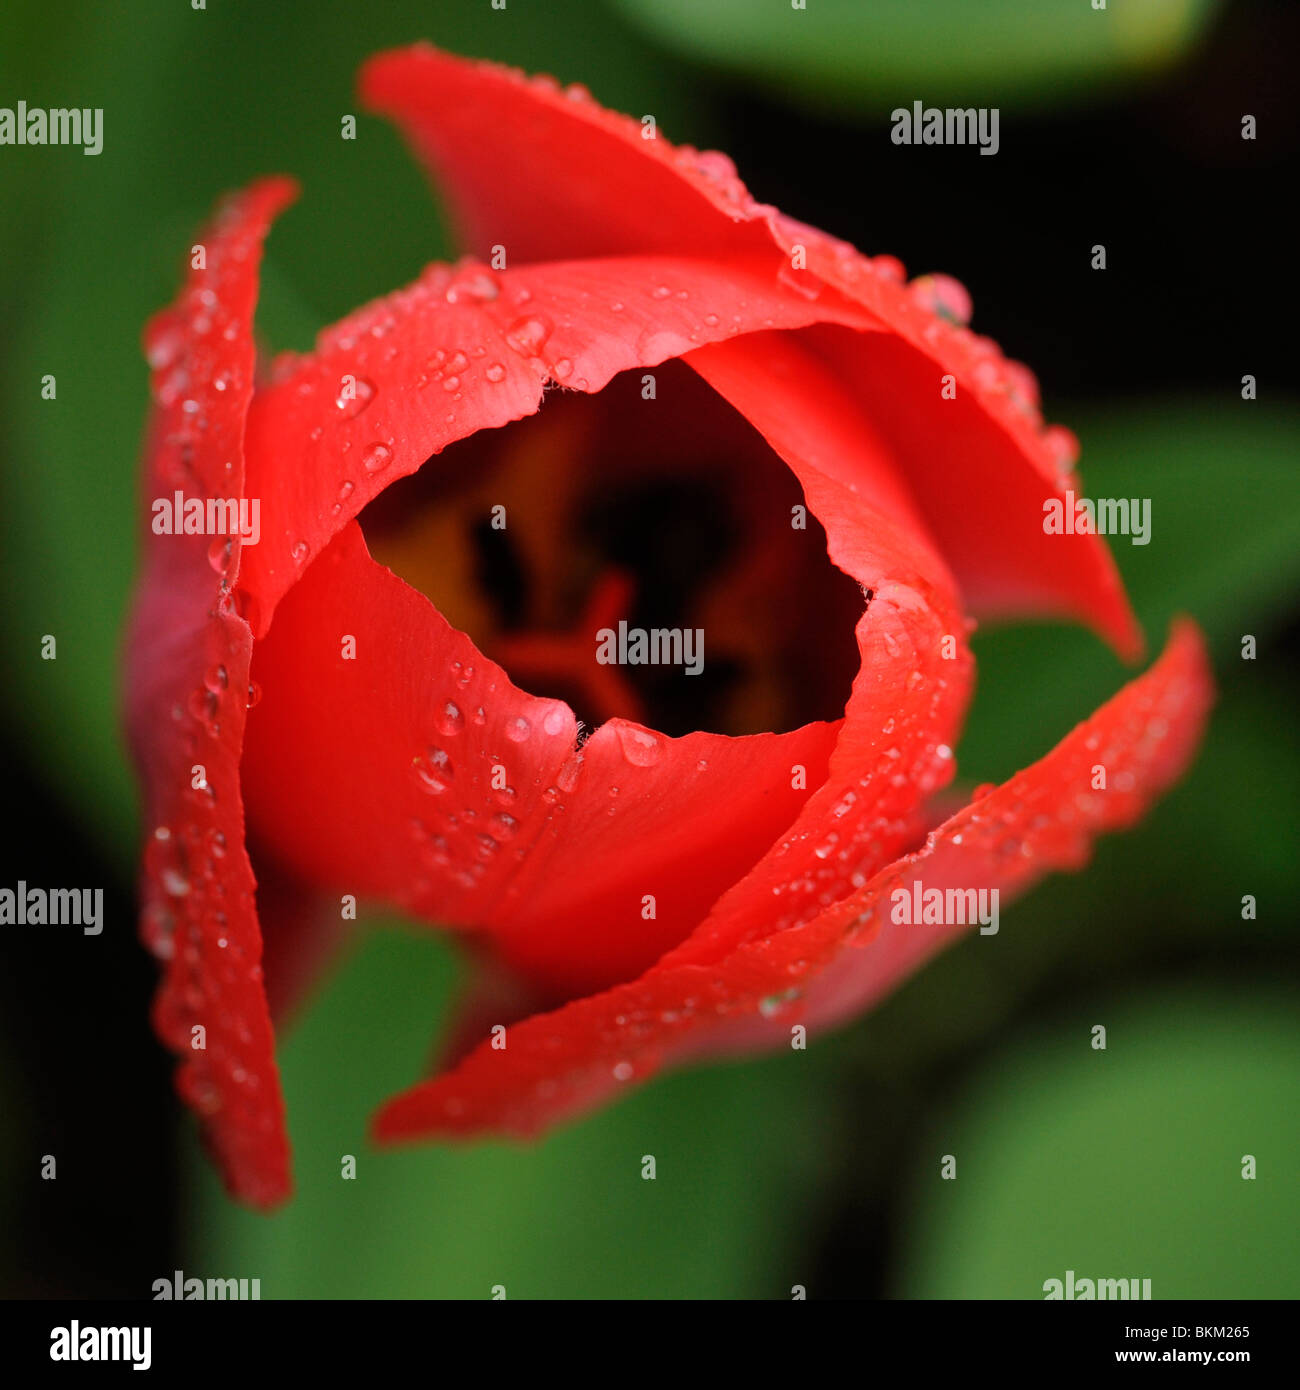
{"x": 639, "y": 556}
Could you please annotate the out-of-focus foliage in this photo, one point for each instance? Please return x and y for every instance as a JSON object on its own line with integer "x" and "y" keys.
{"x": 572, "y": 1216}
{"x": 870, "y": 55}
{"x": 1123, "y": 1163}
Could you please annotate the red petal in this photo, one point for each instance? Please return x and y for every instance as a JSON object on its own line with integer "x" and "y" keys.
{"x": 584, "y": 181}
{"x": 187, "y": 674}
{"x": 375, "y": 775}
{"x": 460, "y": 351}
{"x": 1044, "y": 819}
{"x": 981, "y": 471}
{"x": 904, "y": 715}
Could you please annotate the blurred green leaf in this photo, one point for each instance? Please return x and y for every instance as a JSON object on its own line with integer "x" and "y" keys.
{"x": 874, "y": 56}
{"x": 567, "y": 1217}
{"x": 1120, "y": 1163}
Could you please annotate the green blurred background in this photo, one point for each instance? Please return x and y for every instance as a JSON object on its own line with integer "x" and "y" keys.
{"x": 819, "y": 1169}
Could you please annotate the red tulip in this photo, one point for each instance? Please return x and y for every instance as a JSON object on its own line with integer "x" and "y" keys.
{"x": 651, "y": 898}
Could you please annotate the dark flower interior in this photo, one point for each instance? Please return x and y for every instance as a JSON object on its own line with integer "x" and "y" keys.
{"x": 667, "y": 511}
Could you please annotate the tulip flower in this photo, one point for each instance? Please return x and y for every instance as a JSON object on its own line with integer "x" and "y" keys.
{"x": 609, "y": 606}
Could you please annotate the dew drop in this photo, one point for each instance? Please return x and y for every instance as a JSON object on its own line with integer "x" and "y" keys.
{"x": 354, "y": 397}
{"x": 376, "y": 458}
{"x": 163, "y": 345}
{"x": 640, "y": 747}
{"x": 527, "y": 335}
{"x": 1063, "y": 445}
{"x": 772, "y": 1004}
{"x": 473, "y": 287}
{"x": 944, "y": 296}
{"x": 175, "y": 883}
{"x": 432, "y": 771}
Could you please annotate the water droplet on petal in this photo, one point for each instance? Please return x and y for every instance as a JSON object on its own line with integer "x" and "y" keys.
{"x": 474, "y": 286}
{"x": 432, "y": 771}
{"x": 640, "y": 747}
{"x": 175, "y": 883}
{"x": 376, "y": 458}
{"x": 527, "y": 335}
{"x": 944, "y": 296}
{"x": 354, "y": 397}
{"x": 1063, "y": 445}
{"x": 163, "y": 343}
